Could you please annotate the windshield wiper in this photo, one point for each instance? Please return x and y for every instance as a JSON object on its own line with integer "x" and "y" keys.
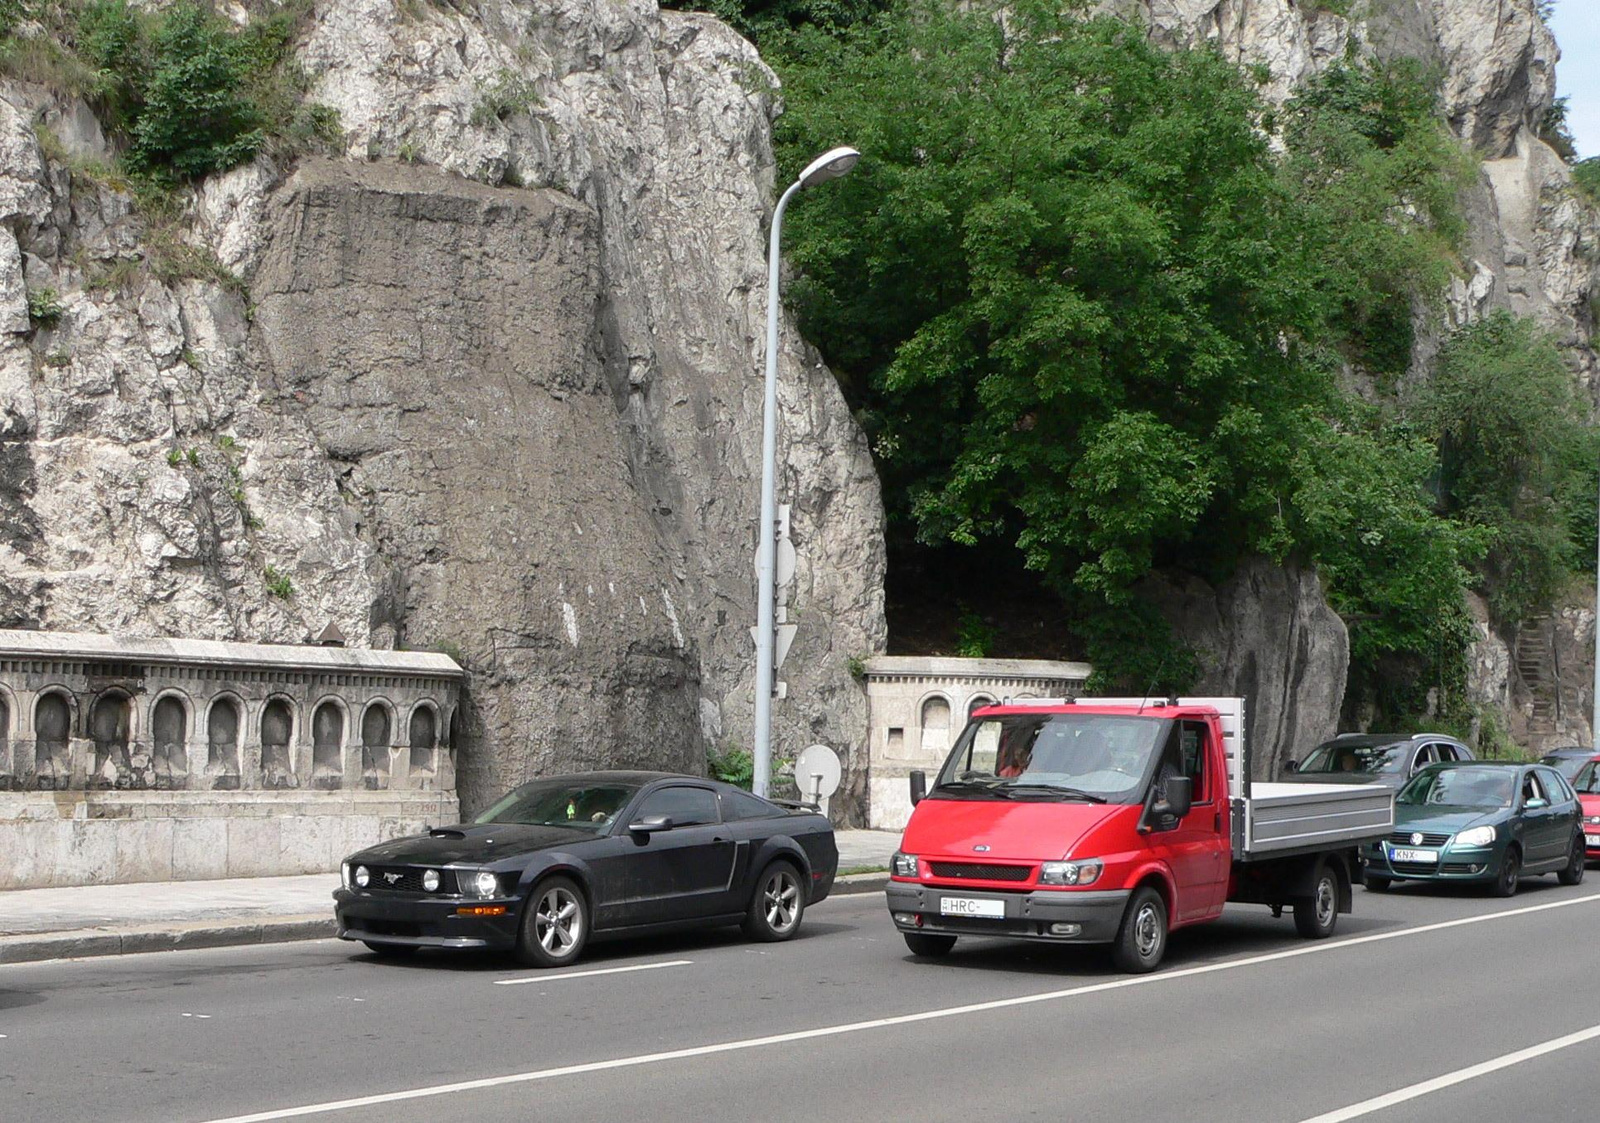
{"x": 966, "y": 785}
{"x": 1058, "y": 790}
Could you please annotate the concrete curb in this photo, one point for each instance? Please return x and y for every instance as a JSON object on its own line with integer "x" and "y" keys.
{"x": 85, "y": 942}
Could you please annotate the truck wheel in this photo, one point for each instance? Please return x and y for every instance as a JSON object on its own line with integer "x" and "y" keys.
{"x": 926, "y": 944}
{"x": 1505, "y": 884}
{"x": 1315, "y": 917}
{"x": 1142, "y": 940}
{"x": 1577, "y": 862}
{"x": 1378, "y": 884}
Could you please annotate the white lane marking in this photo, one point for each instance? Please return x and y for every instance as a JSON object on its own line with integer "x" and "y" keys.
{"x": 1461, "y": 1075}
{"x": 588, "y": 974}
{"x": 1317, "y": 948}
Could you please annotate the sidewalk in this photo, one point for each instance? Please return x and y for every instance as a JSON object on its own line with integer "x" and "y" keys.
{"x": 164, "y": 916}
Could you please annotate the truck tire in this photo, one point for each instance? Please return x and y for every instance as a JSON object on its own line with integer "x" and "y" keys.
{"x": 1316, "y": 916}
{"x": 1577, "y": 862}
{"x": 927, "y": 944}
{"x": 1141, "y": 942}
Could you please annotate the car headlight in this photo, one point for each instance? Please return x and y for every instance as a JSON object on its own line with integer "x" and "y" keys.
{"x": 430, "y": 880}
{"x": 362, "y": 876}
{"x": 344, "y": 874}
{"x": 485, "y": 883}
{"x": 1084, "y": 871}
{"x": 904, "y": 865}
{"x": 1477, "y": 836}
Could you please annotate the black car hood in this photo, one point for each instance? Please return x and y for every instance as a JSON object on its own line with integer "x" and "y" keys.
{"x": 473, "y": 843}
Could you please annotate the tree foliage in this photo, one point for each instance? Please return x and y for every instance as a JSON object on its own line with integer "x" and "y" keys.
{"x": 1083, "y": 306}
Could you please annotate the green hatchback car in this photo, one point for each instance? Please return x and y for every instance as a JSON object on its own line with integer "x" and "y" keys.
{"x": 1481, "y": 821}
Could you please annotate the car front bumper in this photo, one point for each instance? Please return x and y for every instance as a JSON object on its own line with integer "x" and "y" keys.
{"x": 1453, "y": 865}
{"x": 1069, "y": 916}
{"x": 431, "y": 922}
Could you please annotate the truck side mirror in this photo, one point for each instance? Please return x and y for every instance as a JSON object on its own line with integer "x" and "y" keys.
{"x": 1180, "y": 797}
{"x": 919, "y": 786}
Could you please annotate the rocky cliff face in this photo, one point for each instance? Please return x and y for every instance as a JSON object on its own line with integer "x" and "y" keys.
{"x": 441, "y": 406}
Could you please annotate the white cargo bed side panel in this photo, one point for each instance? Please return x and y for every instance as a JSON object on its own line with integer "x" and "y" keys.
{"x": 1283, "y": 817}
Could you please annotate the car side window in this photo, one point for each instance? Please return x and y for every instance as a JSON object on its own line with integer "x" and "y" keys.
{"x": 1446, "y": 752}
{"x": 1531, "y": 789}
{"x": 743, "y": 805}
{"x": 1423, "y": 758}
{"x": 1192, "y": 752}
{"x": 685, "y": 806}
{"x": 1556, "y": 785}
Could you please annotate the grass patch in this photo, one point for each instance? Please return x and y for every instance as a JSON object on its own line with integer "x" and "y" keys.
{"x": 278, "y": 583}
{"x": 503, "y": 97}
{"x": 44, "y": 307}
{"x": 851, "y": 871}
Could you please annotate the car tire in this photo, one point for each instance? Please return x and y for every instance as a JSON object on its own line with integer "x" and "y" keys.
{"x": 1316, "y": 916}
{"x": 1510, "y": 873}
{"x": 928, "y": 945}
{"x": 390, "y": 951}
{"x": 1577, "y": 863}
{"x": 555, "y": 924}
{"x": 777, "y": 905}
{"x": 1378, "y": 884}
{"x": 1141, "y": 941}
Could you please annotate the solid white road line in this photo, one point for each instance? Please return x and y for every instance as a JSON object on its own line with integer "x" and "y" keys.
{"x": 1400, "y": 1096}
{"x": 590, "y": 974}
{"x": 1317, "y": 948}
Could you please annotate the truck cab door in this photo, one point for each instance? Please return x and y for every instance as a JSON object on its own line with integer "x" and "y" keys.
{"x": 1196, "y": 848}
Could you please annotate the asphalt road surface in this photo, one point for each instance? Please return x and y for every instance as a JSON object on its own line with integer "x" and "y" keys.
{"x": 1426, "y": 1005}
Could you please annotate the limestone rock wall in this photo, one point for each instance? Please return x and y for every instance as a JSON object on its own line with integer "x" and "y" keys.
{"x": 491, "y": 381}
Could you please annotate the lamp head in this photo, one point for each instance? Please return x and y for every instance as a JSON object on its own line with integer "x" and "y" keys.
{"x": 830, "y": 165}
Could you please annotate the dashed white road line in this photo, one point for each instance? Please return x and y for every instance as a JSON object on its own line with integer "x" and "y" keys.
{"x": 556, "y": 978}
{"x": 1450, "y": 1079}
{"x": 1322, "y": 947}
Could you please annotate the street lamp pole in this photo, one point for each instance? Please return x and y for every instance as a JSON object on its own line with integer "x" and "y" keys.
{"x": 1594, "y": 728}
{"x": 830, "y": 165}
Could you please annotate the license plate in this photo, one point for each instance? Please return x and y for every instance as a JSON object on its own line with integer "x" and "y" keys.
{"x": 971, "y": 906}
{"x": 1593, "y": 840}
{"x": 1397, "y": 855}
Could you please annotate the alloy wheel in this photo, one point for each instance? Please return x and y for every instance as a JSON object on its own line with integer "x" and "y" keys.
{"x": 780, "y": 900}
{"x": 558, "y": 922}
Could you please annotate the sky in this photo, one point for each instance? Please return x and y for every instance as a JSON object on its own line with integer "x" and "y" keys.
{"x": 1577, "y": 27}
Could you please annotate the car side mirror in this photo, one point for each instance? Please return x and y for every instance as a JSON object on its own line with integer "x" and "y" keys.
{"x": 1535, "y": 803}
{"x": 919, "y": 786}
{"x": 650, "y": 824}
{"x": 1180, "y": 797}
{"x": 1291, "y": 766}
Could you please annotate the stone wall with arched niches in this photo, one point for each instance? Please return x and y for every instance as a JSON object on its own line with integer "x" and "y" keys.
{"x": 148, "y": 759}
{"x": 918, "y": 705}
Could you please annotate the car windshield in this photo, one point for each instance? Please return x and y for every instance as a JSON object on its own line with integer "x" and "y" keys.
{"x": 1343, "y": 756}
{"x": 1460, "y": 787}
{"x": 561, "y": 803}
{"x": 1093, "y": 757}
{"x": 1568, "y": 766}
{"x": 1587, "y": 781}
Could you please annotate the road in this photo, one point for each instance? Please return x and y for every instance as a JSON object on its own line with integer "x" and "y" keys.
{"x": 1245, "y": 1022}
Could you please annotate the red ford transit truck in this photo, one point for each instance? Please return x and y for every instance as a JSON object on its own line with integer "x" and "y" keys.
{"x": 1114, "y": 821}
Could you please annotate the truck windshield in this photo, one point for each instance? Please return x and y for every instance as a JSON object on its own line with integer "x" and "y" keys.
{"x": 1342, "y": 756}
{"x": 1460, "y": 787}
{"x": 1099, "y": 758}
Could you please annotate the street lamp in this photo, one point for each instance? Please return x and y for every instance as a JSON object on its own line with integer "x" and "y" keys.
{"x": 830, "y": 165}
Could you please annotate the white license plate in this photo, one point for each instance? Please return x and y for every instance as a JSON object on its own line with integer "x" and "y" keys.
{"x": 1592, "y": 840}
{"x": 971, "y": 906}
{"x": 1397, "y": 855}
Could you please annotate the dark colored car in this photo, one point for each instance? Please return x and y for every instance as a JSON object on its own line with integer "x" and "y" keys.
{"x": 561, "y": 859}
{"x": 1490, "y": 822}
{"x": 1376, "y": 758}
{"x": 1567, "y": 760}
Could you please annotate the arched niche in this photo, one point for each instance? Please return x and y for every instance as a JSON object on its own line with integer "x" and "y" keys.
{"x": 110, "y": 728}
{"x": 222, "y": 743}
{"x": 7, "y": 768}
{"x": 327, "y": 744}
{"x": 935, "y": 721}
{"x": 169, "y": 740}
{"x": 52, "y": 738}
{"x": 424, "y": 738}
{"x": 377, "y": 734}
{"x": 277, "y": 737}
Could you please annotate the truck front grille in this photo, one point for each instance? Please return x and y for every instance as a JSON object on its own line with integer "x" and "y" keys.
{"x": 980, "y": 871}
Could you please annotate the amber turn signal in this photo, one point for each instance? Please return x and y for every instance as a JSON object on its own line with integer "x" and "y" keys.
{"x": 481, "y": 910}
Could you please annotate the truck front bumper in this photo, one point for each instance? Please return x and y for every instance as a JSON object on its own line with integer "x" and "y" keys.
{"x": 1068, "y": 916}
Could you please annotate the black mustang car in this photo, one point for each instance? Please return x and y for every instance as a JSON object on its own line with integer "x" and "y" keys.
{"x": 561, "y": 859}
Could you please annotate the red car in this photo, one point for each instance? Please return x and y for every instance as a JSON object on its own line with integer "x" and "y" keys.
{"x": 1587, "y": 784}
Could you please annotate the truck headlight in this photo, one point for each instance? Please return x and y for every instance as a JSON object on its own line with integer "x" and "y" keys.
{"x": 1477, "y": 836}
{"x": 903, "y": 865}
{"x": 362, "y": 876}
{"x": 1084, "y": 871}
{"x": 485, "y": 883}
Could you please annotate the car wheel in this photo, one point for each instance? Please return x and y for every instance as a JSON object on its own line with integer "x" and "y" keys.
{"x": 1315, "y": 918}
{"x": 1378, "y": 884}
{"x": 390, "y": 951}
{"x": 555, "y": 924}
{"x": 1505, "y": 885}
{"x": 1142, "y": 940}
{"x": 927, "y": 944}
{"x": 777, "y": 905}
{"x": 1577, "y": 862}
